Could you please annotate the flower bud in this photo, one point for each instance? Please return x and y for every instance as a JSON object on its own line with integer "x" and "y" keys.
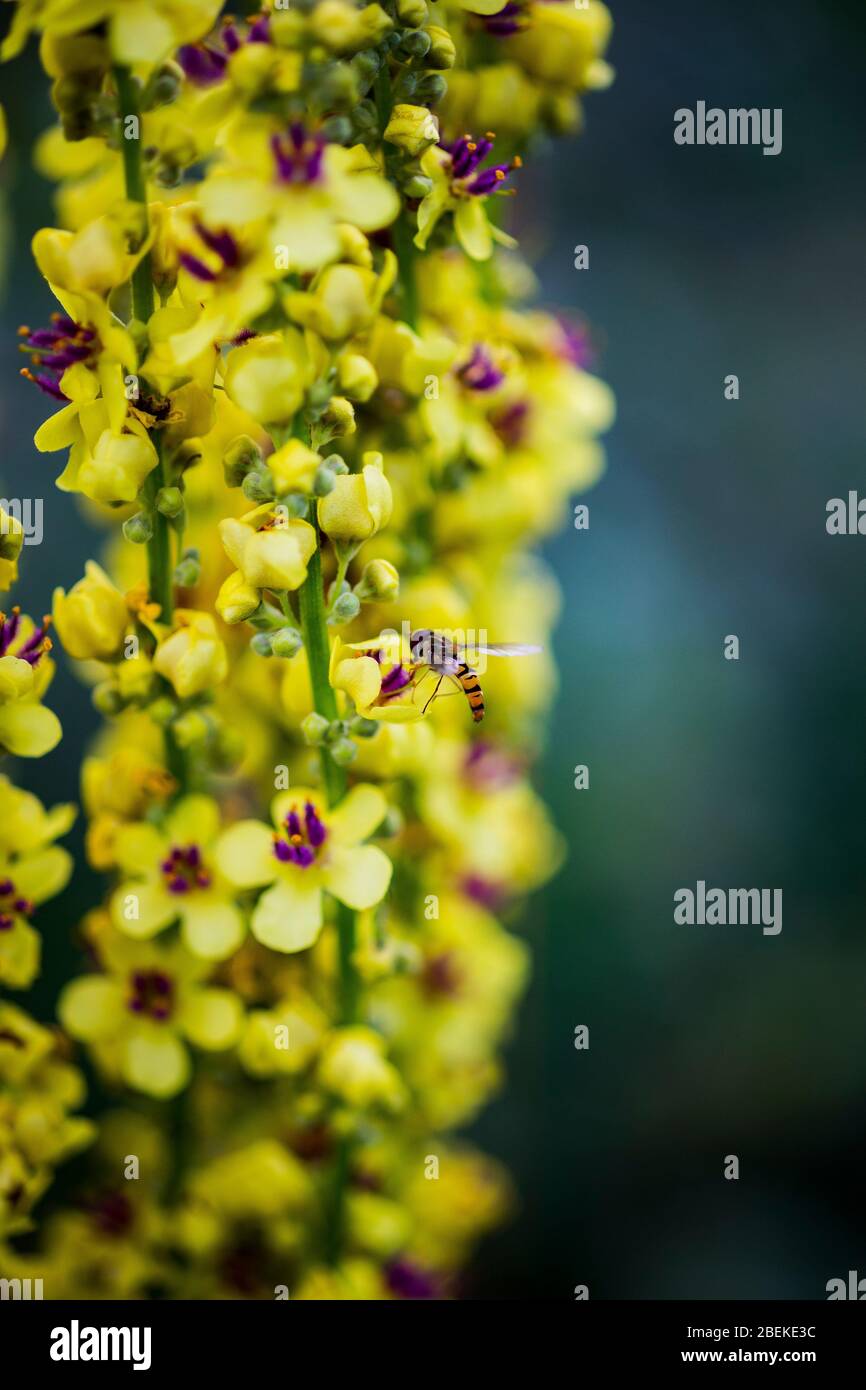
{"x": 258, "y": 486}
{"x": 260, "y": 643}
{"x": 237, "y": 600}
{"x": 169, "y": 501}
{"x": 287, "y": 642}
{"x": 324, "y": 482}
{"x": 412, "y": 128}
{"x": 357, "y": 376}
{"x": 192, "y": 658}
{"x": 107, "y": 699}
{"x": 343, "y": 751}
{"x": 414, "y": 43}
{"x": 345, "y": 608}
{"x": 379, "y": 583}
{"x": 11, "y": 541}
{"x": 412, "y": 12}
{"x": 359, "y": 505}
{"x": 190, "y": 727}
{"x": 187, "y": 571}
{"x": 442, "y": 52}
{"x": 270, "y": 551}
{"x": 339, "y": 417}
{"x": 91, "y": 620}
{"x": 314, "y": 728}
{"x": 240, "y": 458}
{"x": 363, "y": 728}
{"x": 431, "y": 89}
{"x": 293, "y": 467}
{"x": 267, "y": 376}
{"x": 418, "y": 186}
{"x": 138, "y": 528}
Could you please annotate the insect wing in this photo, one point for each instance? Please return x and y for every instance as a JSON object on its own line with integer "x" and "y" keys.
{"x": 502, "y": 649}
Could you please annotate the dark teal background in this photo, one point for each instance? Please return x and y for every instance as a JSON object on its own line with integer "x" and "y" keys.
{"x": 704, "y": 1041}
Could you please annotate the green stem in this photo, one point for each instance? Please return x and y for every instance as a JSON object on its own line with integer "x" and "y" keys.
{"x": 404, "y": 247}
{"x": 159, "y": 567}
{"x": 314, "y": 624}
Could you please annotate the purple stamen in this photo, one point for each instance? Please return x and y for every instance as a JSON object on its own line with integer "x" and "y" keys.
{"x": 397, "y": 679}
{"x": 298, "y": 156}
{"x": 222, "y": 243}
{"x": 152, "y": 994}
{"x": 196, "y": 267}
{"x": 202, "y": 65}
{"x": 480, "y": 373}
{"x": 302, "y": 841}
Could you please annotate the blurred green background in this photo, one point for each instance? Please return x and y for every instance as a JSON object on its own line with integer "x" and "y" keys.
{"x": 703, "y": 1041}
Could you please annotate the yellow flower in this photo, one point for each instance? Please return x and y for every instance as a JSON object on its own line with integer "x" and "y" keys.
{"x": 301, "y": 190}
{"x": 293, "y": 467}
{"x": 353, "y": 1067}
{"x": 177, "y": 877}
{"x": 267, "y": 377}
{"x": 32, "y": 869}
{"x": 270, "y": 549}
{"x": 359, "y": 504}
{"x": 11, "y": 542}
{"x": 91, "y": 620}
{"x": 377, "y": 675}
{"x": 412, "y": 128}
{"x": 563, "y": 44}
{"x": 345, "y": 299}
{"x": 260, "y": 1180}
{"x": 27, "y": 728}
{"x": 461, "y": 185}
{"x": 237, "y": 600}
{"x": 139, "y": 1015}
{"x": 139, "y": 31}
{"x": 193, "y": 658}
{"x": 314, "y": 850}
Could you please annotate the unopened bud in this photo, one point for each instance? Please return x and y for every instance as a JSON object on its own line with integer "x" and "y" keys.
{"x": 169, "y": 501}
{"x": 442, "y": 52}
{"x": 287, "y": 642}
{"x": 261, "y": 644}
{"x": 345, "y": 609}
{"x": 107, "y": 699}
{"x": 138, "y": 528}
{"x": 379, "y": 583}
{"x": 258, "y": 486}
{"x": 343, "y": 751}
{"x": 314, "y": 728}
{"x": 242, "y": 456}
{"x": 187, "y": 571}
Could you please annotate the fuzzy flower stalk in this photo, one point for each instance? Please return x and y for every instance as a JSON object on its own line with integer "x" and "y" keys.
{"x": 285, "y": 350}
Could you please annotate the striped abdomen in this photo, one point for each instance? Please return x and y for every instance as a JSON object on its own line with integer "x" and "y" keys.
{"x": 472, "y": 689}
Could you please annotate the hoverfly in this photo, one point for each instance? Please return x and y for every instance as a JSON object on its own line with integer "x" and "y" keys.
{"x": 437, "y": 653}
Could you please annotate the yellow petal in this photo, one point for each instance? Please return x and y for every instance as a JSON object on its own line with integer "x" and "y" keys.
{"x": 155, "y": 1061}
{"x": 141, "y": 909}
{"x": 244, "y": 854}
{"x": 92, "y": 1008}
{"x": 194, "y": 820}
{"x": 359, "y": 877}
{"x": 211, "y": 1018}
{"x": 288, "y": 916}
{"x": 58, "y": 431}
{"x": 43, "y": 875}
{"x": 211, "y": 929}
{"x": 473, "y": 229}
{"x": 358, "y": 814}
{"x": 28, "y": 730}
